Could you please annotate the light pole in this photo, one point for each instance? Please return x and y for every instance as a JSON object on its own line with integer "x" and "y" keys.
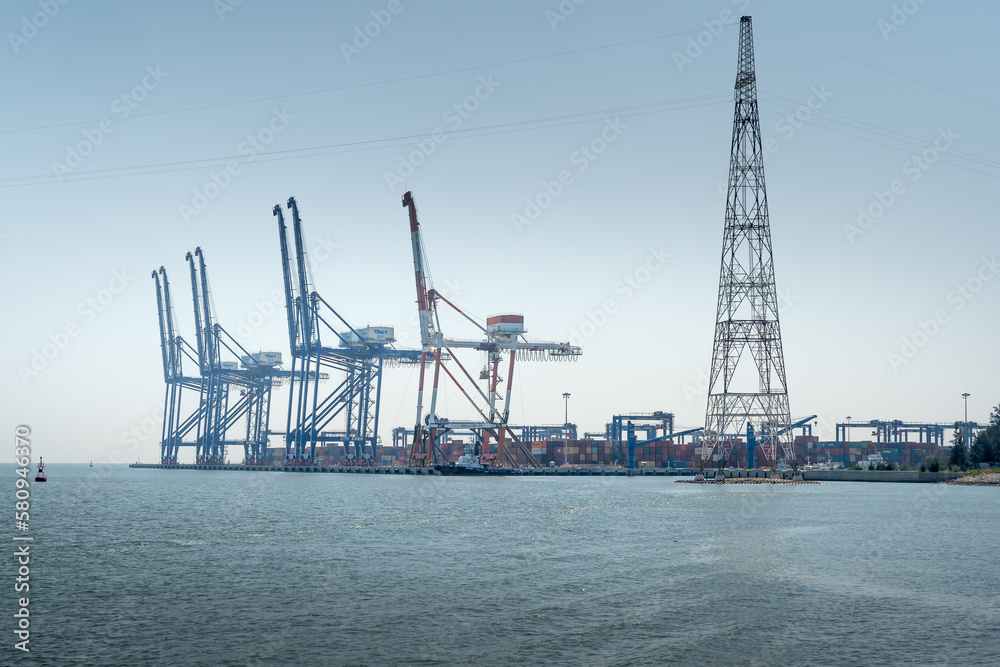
{"x": 966, "y": 397}
{"x": 566, "y": 424}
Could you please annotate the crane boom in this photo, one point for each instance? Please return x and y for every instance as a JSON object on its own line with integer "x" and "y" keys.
{"x": 211, "y": 349}
{"x": 286, "y": 274}
{"x": 164, "y": 341}
{"x": 199, "y": 332}
{"x": 172, "y": 370}
{"x": 173, "y": 353}
{"x": 300, "y": 260}
{"x": 425, "y": 304}
{"x": 422, "y": 448}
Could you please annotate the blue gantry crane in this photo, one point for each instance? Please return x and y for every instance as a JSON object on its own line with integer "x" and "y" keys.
{"x": 233, "y": 397}
{"x": 616, "y": 431}
{"x": 894, "y": 430}
{"x": 246, "y": 377}
{"x": 752, "y": 440}
{"x": 173, "y": 347}
{"x": 356, "y": 355}
{"x": 664, "y": 421}
{"x": 214, "y": 393}
{"x": 633, "y": 442}
{"x": 216, "y": 422}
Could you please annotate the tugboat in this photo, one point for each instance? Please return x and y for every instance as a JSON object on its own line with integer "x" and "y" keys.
{"x": 468, "y": 464}
{"x": 40, "y": 477}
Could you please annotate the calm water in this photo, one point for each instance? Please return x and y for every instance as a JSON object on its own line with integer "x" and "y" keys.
{"x": 148, "y": 567}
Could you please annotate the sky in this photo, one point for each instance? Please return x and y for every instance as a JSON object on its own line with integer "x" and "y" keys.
{"x": 568, "y": 160}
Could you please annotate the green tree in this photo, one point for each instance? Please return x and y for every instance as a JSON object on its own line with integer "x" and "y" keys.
{"x": 986, "y": 446}
{"x": 958, "y": 457}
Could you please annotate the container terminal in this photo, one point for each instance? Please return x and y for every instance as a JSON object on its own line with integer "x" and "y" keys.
{"x": 671, "y": 455}
{"x": 335, "y": 372}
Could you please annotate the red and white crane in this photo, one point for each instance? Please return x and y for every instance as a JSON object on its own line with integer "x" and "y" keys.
{"x": 502, "y": 335}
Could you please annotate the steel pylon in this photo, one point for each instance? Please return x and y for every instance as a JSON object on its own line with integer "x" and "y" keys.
{"x": 747, "y": 384}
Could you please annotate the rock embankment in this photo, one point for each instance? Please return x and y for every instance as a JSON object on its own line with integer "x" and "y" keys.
{"x": 987, "y": 479}
{"x": 748, "y": 480}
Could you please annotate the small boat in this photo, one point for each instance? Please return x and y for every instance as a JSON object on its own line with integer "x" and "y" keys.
{"x": 40, "y": 477}
{"x": 91, "y": 463}
{"x": 468, "y": 464}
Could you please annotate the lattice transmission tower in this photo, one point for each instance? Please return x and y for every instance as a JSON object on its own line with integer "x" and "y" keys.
{"x": 747, "y": 389}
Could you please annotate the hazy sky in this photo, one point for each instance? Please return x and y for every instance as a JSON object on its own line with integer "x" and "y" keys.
{"x": 122, "y": 119}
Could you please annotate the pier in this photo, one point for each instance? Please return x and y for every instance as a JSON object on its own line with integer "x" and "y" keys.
{"x": 910, "y": 476}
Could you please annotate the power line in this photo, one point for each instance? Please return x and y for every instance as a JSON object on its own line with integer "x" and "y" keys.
{"x": 375, "y": 144}
{"x": 363, "y": 85}
{"x": 942, "y": 157}
{"x": 499, "y": 128}
{"x": 903, "y": 137}
{"x": 883, "y": 69}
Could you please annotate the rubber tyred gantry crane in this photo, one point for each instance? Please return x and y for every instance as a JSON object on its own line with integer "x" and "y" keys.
{"x": 502, "y": 335}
